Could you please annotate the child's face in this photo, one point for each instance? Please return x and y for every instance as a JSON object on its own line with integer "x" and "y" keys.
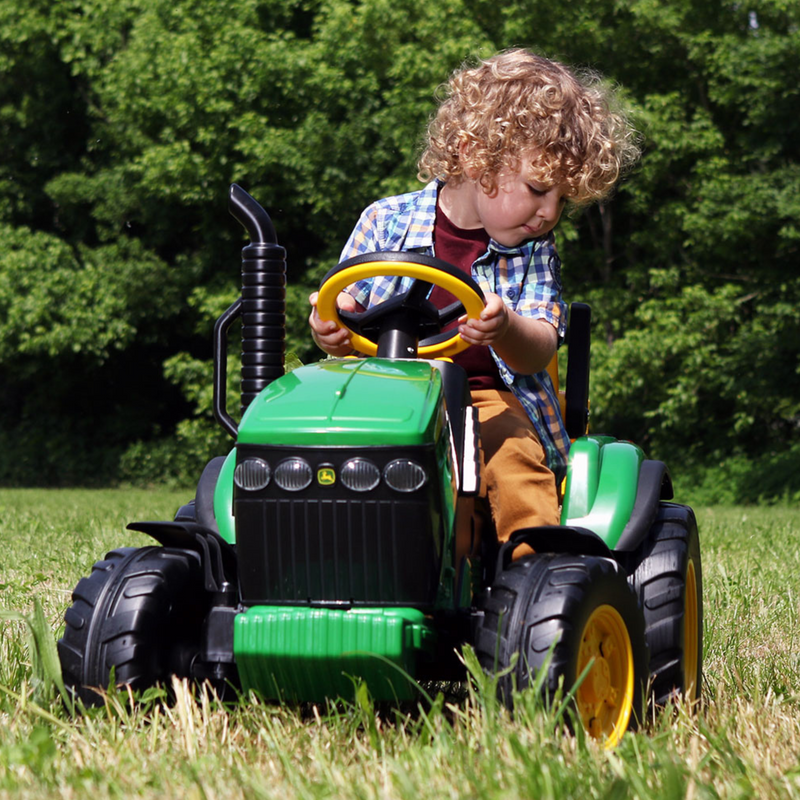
{"x": 519, "y": 209}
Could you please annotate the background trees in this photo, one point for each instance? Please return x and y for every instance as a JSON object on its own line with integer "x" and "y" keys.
{"x": 123, "y": 123}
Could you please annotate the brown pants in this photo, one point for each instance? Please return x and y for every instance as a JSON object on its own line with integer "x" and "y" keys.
{"x": 521, "y": 489}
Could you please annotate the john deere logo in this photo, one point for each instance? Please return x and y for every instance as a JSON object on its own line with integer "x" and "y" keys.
{"x": 326, "y": 476}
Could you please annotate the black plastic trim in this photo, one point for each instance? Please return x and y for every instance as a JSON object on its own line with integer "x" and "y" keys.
{"x": 561, "y": 539}
{"x": 455, "y": 386}
{"x": 221, "y": 367}
{"x": 654, "y": 485}
{"x": 577, "y": 386}
{"x": 204, "y": 500}
{"x": 218, "y": 557}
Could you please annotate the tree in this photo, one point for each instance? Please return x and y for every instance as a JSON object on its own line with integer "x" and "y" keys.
{"x": 124, "y": 124}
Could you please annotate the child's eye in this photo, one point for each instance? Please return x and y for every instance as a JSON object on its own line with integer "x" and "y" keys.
{"x": 541, "y": 191}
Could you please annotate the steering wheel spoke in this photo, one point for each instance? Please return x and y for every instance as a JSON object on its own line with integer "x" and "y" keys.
{"x": 418, "y": 293}
{"x": 451, "y": 313}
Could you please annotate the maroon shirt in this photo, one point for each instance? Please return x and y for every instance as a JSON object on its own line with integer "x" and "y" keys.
{"x": 462, "y": 248}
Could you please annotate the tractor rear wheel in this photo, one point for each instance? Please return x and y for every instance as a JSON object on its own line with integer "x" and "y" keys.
{"x": 582, "y": 609}
{"x": 667, "y": 576}
{"x": 140, "y": 614}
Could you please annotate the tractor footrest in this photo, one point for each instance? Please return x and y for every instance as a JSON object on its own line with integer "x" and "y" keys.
{"x": 310, "y": 654}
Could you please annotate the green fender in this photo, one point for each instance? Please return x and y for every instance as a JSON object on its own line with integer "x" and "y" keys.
{"x": 601, "y": 486}
{"x": 223, "y": 500}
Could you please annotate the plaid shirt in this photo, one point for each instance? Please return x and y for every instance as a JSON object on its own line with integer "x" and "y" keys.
{"x": 527, "y": 277}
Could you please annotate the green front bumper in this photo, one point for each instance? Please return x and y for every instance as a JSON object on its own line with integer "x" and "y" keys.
{"x": 310, "y": 654}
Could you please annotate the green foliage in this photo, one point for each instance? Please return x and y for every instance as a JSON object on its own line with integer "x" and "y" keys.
{"x": 124, "y": 123}
{"x": 702, "y": 372}
{"x": 55, "y": 298}
{"x": 772, "y": 478}
{"x": 697, "y": 336}
{"x": 179, "y": 458}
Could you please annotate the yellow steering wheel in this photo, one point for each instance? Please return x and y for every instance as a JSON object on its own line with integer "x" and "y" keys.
{"x": 407, "y": 325}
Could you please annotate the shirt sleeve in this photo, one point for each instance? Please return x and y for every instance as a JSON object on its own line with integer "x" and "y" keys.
{"x": 540, "y": 294}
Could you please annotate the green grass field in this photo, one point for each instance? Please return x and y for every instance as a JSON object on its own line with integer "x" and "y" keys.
{"x": 744, "y": 743}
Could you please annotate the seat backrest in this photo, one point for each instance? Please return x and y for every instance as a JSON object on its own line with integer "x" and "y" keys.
{"x": 574, "y": 400}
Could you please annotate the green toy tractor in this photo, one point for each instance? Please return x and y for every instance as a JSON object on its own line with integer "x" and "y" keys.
{"x": 337, "y": 541}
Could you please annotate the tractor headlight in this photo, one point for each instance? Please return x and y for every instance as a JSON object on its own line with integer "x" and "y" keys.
{"x": 293, "y": 474}
{"x": 404, "y": 475}
{"x": 252, "y": 474}
{"x": 360, "y": 475}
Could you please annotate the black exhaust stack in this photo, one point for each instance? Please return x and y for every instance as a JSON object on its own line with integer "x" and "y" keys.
{"x": 262, "y": 308}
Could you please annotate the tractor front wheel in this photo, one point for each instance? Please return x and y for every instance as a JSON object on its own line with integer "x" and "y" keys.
{"x": 140, "y": 614}
{"x": 581, "y": 610}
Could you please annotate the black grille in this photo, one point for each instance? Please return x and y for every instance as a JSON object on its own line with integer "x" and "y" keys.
{"x": 356, "y": 551}
{"x": 329, "y": 545}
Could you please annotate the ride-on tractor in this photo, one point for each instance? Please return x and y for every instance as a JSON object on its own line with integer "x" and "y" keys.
{"x": 337, "y": 540}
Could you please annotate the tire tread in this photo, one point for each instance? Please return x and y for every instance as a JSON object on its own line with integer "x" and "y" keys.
{"x": 118, "y": 614}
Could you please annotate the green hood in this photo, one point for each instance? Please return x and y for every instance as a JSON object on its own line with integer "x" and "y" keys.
{"x": 348, "y": 402}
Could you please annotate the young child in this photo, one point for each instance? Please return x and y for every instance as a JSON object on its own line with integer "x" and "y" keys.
{"x": 514, "y": 140}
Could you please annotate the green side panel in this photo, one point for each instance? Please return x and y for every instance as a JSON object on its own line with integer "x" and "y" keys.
{"x": 223, "y": 500}
{"x": 583, "y": 472}
{"x": 602, "y": 479}
{"x": 352, "y": 402}
{"x": 310, "y": 654}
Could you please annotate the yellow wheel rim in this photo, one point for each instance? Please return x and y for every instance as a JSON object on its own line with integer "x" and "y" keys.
{"x": 691, "y": 625}
{"x": 327, "y": 310}
{"x": 605, "y": 696}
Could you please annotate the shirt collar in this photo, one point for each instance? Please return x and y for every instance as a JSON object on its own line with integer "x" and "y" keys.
{"x": 520, "y": 249}
{"x": 415, "y": 227}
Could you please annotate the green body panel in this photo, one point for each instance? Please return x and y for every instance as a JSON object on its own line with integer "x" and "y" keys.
{"x": 348, "y": 402}
{"x": 223, "y": 500}
{"x": 309, "y": 654}
{"x": 602, "y": 479}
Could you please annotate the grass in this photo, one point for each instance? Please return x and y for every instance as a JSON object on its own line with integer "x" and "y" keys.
{"x": 744, "y": 743}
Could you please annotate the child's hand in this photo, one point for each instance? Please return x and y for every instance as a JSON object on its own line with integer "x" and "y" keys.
{"x": 335, "y": 341}
{"x": 525, "y": 344}
{"x": 492, "y": 325}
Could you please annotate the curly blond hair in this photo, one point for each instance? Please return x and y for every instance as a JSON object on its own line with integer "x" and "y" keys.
{"x": 518, "y": 110}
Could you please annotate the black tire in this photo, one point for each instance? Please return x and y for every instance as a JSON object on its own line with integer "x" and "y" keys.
{"x": 667, "y": 576}
{"x": 556, "y": 601}
{"x": 140, "y": 612}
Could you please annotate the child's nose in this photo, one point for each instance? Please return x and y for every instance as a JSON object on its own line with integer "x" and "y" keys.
{"x": 548, "y": 210}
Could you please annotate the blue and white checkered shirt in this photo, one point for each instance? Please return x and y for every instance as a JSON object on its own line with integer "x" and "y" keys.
{"x": 527, "y": 277}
